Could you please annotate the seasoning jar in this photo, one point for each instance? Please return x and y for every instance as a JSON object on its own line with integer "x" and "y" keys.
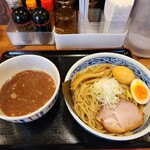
{"x": 93, "y": 3}
{"x": 22, "y": 19}
{"x": 42, "y": 24}
{"x": 41, "y": 20}
{"x": 61, "y": 3}
{"x": 94, "y": 12}
{"x": 31, "y": 5}
{"x": 49, "y": 6}
{"x": 65, "y": 18}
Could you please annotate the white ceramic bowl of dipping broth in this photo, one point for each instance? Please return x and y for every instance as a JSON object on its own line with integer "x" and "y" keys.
{"x": 116, "y": 59}
{"x": 17, "y": 64}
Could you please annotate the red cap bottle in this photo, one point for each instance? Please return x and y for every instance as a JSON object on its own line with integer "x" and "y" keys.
{"x": 48, "y": 5}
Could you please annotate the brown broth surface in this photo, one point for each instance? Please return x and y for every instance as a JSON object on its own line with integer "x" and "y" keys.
{"x": 25, "y": 92}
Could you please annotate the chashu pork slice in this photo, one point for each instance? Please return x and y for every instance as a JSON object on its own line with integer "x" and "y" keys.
{"x": 125, "y": 117}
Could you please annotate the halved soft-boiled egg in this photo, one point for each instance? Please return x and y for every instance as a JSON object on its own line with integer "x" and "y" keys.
{"x": 140, "y": 91}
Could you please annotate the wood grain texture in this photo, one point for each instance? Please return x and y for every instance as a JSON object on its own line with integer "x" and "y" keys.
{"x": 4, "y": 13}
{"x": 6, "y": 45}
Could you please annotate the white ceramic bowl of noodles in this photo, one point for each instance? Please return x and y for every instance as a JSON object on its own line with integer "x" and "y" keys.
{"x": 17, "y": 64}
{"x": 117, "y": 59}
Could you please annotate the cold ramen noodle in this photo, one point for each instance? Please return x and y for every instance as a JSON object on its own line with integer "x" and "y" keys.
{"x": 103, "y": 98}
{"x": 25, "y": 92}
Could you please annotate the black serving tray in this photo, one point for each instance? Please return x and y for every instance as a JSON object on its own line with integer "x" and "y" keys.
{"x": 57, "y": 129}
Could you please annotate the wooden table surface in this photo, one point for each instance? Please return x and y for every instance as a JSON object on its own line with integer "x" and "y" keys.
{"x": 6, "y": 45}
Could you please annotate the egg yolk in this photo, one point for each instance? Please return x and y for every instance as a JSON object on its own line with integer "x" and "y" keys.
{"x": 140, "y": 92}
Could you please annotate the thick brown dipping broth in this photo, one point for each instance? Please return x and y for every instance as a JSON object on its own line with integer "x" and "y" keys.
{"x": 25, "y": 92}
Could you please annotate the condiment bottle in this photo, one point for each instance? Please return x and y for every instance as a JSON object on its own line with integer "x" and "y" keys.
{"x": 65, "y": 18}
{"x": 93, "y": 3}
{"x": 41, "y": 20}
{"x": 59, "y": 3}
{"x": 31, "y": 5}
{"x": 49, "y": 6}
{"x": 22, "y": 18}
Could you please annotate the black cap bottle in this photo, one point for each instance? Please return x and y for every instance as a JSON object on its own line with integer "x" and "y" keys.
{"x": 22, "y": 18}
{"x": 42, "y": 25}
{"x": 23, "y": 22}
{"x": 41, "y": 20}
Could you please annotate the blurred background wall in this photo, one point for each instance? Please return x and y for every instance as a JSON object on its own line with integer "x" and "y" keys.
{"x": 4, "y": 13}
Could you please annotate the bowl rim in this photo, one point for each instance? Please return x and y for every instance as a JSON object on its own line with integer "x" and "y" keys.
{"x": 80, "y": 122}
{"x": 9, "y": 118}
